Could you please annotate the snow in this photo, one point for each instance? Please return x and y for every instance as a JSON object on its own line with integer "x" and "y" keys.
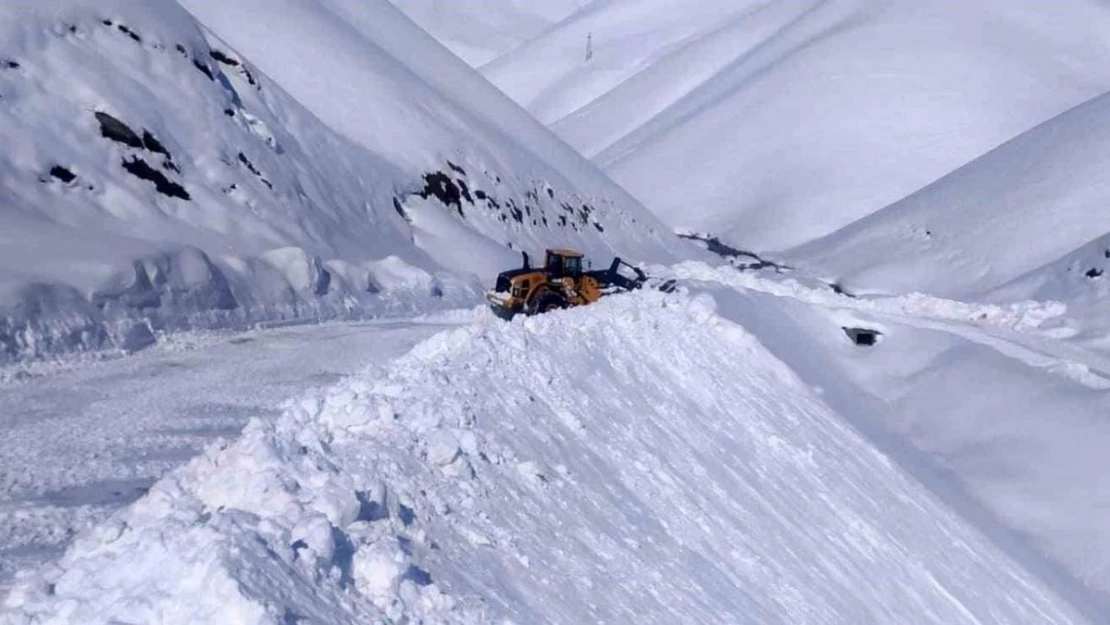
{"x": 161, "y": 176}
{"x": 990, "y": 407}
{"x": 1024, "y": 221}
{"x": 478, "y": 31}
{"x": 804, "y": 116}
{"x": 538, "y": 471}
{"x": 925, "y": 174}
{"x": 84, "y": 439}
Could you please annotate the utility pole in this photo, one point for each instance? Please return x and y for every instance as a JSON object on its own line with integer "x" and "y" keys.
{"x": 589, "y": 46}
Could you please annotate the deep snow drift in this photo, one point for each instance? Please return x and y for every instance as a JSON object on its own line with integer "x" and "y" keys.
{"x": 804, "y": 115}
{"x": 155, "y": 178}
{"x": 540, "y": 471}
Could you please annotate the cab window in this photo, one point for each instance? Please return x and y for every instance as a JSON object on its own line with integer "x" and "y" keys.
{"x": 573, "y": 266}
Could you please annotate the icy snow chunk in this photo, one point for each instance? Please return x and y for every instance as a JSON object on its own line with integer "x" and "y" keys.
{"x": 378, "y": 569}
{"x": 531, "y": 473}
{"x": 305, "y": 274}
{"x": 334, "y": 496}
{"x": 313, "y": 535}
{"x": 571, "y": 420}
{"x": 394, "y": 274}
{"x": 468, "y": 442}
{"x": 442, "y": 448}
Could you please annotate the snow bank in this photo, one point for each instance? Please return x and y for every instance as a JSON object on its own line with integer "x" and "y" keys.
{"x": 637, "y": 460}
{"x": 1021, "y": 316}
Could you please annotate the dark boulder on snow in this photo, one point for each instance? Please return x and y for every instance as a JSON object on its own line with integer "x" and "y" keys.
{"x": 141, "y": 169}
{"x": 63, "y": 174}
{"x": 863, "y": 336}
{"x": 116, "y": 130}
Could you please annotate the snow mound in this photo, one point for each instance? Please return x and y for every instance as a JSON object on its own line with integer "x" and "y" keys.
{"x": 641, "y": 460}
{"x": 158, "y": 175}
{"x": 804, "y": 115}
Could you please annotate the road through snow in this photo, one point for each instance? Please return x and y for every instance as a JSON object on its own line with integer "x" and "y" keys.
{"x": 79, "y": 444}
{"x": 639, "y": 460}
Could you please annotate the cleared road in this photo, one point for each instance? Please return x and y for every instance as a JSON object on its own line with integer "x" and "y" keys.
{"x": 80, "y": 443}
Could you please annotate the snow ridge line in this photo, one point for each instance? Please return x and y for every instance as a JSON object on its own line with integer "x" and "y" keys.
{"x": 642, "y": 456}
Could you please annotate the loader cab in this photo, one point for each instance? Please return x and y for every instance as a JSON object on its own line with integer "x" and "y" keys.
{"x": 563, "y": 263}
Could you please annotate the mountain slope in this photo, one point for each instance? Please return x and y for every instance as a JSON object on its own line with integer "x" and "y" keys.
{"x": 804, "y": 115}
{"x": 1029, "y": 216}
{"x": 479, "y": 31}
{"x": 157, "y": 178}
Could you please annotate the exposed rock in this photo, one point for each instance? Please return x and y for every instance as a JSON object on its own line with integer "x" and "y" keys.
{"x": 63, "y": 174}
{"x": 114, "y": 129}
{"x": 141, "y": 169}
{"x": 863, "y": 336}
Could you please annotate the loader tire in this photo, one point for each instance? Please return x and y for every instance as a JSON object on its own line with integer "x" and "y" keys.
{"x": 547, "y": 302}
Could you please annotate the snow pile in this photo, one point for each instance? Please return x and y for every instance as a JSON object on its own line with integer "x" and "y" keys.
{"x": 154, "y": 177}
{"x": 638, "y": 460}
{"x": 1003, "y": 421}
{"x": 775, "y": 123}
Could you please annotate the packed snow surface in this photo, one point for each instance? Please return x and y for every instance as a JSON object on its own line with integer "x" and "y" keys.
{"x": 85, "y": 439}
{"x": 643, "y": 459}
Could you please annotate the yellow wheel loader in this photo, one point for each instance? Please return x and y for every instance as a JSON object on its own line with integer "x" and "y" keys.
{"x": 560, "y": 283}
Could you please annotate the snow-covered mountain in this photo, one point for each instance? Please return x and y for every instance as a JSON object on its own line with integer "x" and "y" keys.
{"x": 271, "y": 160}
{"x": 1027, "y": 220}
{"x": 774, "y": 123}
{"x": 479, "y": 31}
